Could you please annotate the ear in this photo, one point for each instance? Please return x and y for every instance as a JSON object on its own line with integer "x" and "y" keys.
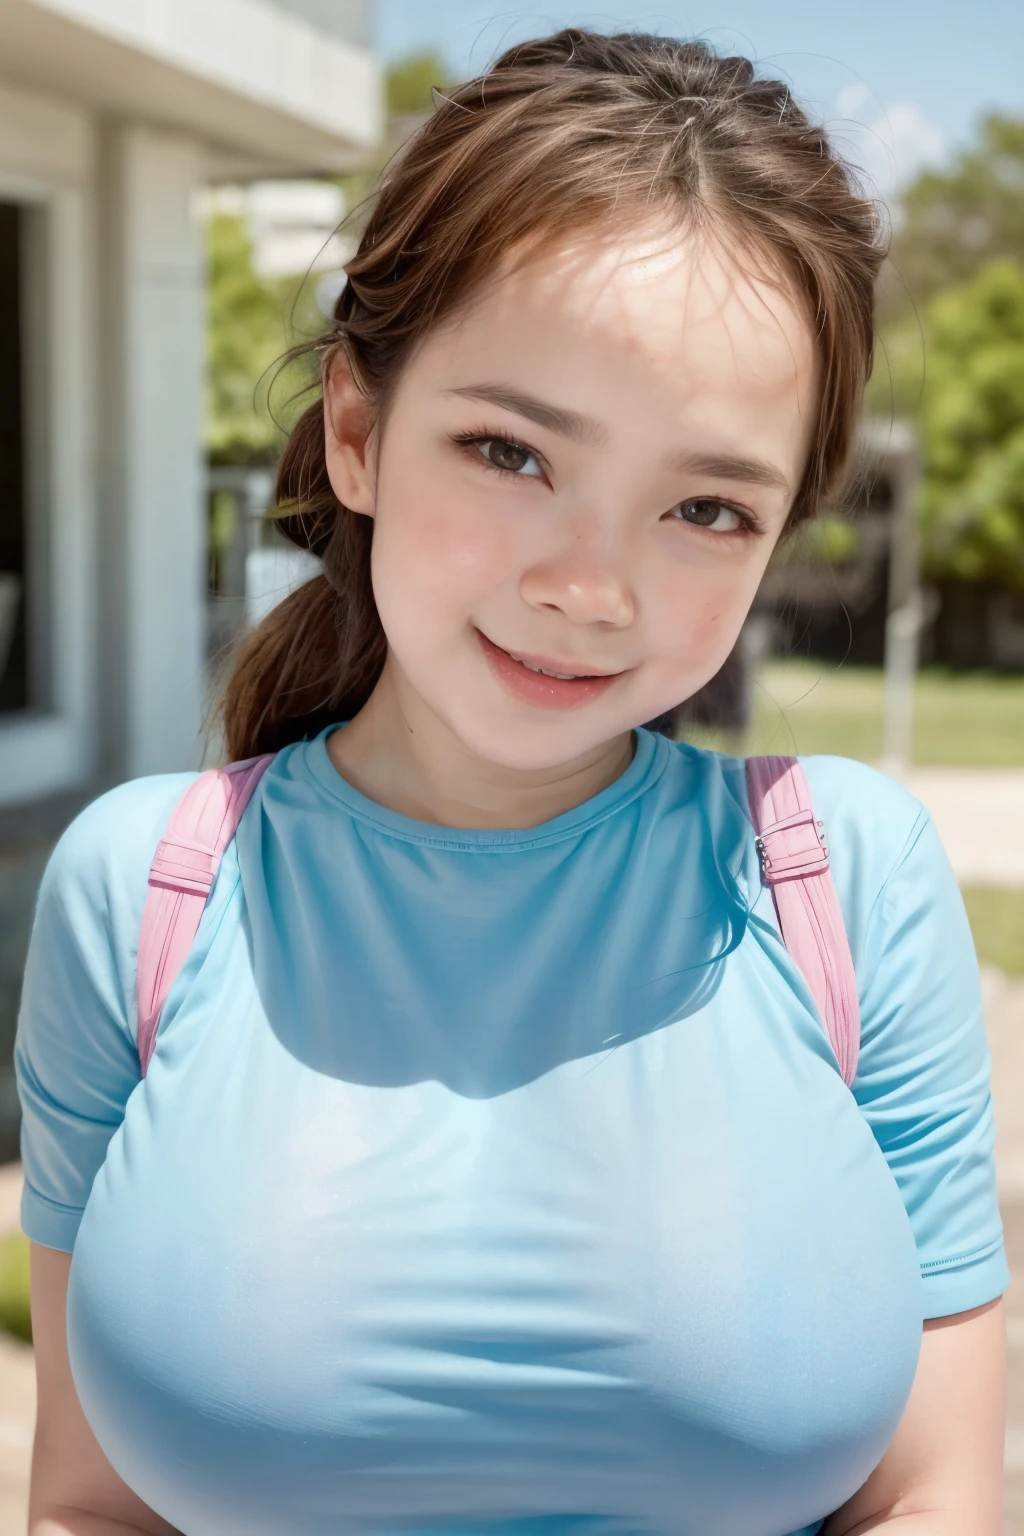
{"x": 348, "y": 437}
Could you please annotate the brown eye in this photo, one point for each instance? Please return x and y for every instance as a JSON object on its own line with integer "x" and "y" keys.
{"x": 703, "y": 513}
{"x": 507, "y": 455}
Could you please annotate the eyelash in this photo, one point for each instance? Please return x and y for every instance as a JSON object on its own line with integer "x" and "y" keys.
{"x": 750, "y": 524}
{"x": 474, "y": 439}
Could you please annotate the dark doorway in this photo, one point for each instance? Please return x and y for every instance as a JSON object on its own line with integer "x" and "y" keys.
{"x": 13, "y": 616}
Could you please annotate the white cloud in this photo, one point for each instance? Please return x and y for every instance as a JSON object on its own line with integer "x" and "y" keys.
{"x": 888, "y": 145}
{"x": 852, "y": 99}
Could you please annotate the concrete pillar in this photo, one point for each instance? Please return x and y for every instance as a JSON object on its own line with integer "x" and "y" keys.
{"x": 153, "y": 543}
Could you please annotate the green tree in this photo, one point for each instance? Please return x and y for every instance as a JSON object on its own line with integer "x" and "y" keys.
{"x": 968, "y": 404}
{"x": 954, "y": 221}
{"x": 251, "y": 323}
{"x": 245, "y": 335}
{"x": 409, "y": 83}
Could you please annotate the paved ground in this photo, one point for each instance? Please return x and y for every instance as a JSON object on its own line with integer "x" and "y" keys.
{"x": 1005, "y": 1013}
{"x": 979, "y": 813}
{"x": 17, "y": 1392}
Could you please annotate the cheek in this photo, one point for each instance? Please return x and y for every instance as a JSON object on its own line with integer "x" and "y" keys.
{"x": 696, "y": 614}
{"x": 438, "y": 550}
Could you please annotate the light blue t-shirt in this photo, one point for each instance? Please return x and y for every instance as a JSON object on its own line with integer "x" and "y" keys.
{"x": 503, "y": 1183}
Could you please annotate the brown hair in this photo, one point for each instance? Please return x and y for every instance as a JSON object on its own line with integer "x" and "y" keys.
{"x": 564, "y": 132}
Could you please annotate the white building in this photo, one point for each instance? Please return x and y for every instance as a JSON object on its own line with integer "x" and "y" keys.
{"x": 292, "y": 225}
{"x": 114, "y": 114}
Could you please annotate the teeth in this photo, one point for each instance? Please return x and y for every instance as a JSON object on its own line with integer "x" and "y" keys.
{"x": 563, "y": 677}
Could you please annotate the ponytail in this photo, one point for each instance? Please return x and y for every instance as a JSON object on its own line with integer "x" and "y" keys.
{"x": 316, "y": 657}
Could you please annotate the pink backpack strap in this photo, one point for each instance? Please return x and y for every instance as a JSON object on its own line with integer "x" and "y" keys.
{"x": 794, "y": 858}
{"x": 184, "y": 867}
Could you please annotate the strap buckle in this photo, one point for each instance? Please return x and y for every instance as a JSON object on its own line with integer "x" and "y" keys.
{"x": 780, "y": 860}
{"x": 181, "y": 865}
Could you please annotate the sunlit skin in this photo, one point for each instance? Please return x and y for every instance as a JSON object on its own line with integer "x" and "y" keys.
{"x": 586, "y": 470}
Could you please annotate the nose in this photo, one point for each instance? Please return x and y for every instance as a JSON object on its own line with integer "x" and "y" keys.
{"x": 582, "y": 589}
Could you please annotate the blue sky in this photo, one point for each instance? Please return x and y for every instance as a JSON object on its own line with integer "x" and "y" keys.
{"x": 902, "y": 81}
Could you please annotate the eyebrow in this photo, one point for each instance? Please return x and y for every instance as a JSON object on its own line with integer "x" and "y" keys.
{"x": 590, "y": 433}
{"x": 727, "y": 466}
{"x": 571, "y": 424}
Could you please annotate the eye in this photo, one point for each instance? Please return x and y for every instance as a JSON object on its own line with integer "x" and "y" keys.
{"x": 503, "y": 453}
{"x": 702, "y": 512}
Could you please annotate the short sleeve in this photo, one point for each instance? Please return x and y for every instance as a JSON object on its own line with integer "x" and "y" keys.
{"x": 75, "y": 1052}
{"x": 923, "y": 1077}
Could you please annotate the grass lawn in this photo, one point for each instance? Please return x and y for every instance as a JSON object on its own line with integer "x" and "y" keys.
{"x": 997, "y": 922}
{"x": 962, "y": 719}
{"x": 14, "y": 1289}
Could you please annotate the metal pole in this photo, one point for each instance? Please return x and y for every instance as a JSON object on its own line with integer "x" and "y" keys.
{"x": 902, "y": 631}
{"x": 903, "y": 625}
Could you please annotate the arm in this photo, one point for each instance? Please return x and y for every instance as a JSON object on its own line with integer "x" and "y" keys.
{"x": 943, "y": 1473}
{"x": 75, "y": 1491}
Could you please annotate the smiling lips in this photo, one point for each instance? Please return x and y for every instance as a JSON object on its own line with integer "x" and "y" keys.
{"x": 540, "y": 680}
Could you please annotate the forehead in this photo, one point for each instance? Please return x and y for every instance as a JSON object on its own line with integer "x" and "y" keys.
{"x": 669, "y": 318}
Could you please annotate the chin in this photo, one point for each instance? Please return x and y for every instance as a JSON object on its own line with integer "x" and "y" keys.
{"x": 539, "y": 741}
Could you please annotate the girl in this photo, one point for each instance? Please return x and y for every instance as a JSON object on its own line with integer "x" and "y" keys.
{"x": 494, "y": 1170}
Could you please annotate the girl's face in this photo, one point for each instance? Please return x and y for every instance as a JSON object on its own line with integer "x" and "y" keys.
{"x": 578, "y": 486}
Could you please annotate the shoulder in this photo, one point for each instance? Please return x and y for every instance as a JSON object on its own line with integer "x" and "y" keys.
{"x": 850, "y": 794}
{"x": 876, "y": 830}
{"x": 118, "y": 827}
{"x": 88, "y": 917}
{"x": 864, "y": 811}
{"x": 101, "y": 863}
{"x": 889, "y": 867}
{"x": 75, "y": 1053}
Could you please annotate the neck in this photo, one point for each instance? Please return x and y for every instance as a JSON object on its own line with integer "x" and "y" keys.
{"x": 397, "y": 752}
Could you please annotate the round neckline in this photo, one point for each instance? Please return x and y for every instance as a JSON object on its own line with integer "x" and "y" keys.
{"x": 648, "y": 764}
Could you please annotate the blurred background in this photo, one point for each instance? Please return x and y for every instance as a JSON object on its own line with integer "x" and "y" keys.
{"x": 174, "y": 186}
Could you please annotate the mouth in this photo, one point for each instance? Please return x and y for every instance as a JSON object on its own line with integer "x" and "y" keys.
{"x": 546, "y": 681}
